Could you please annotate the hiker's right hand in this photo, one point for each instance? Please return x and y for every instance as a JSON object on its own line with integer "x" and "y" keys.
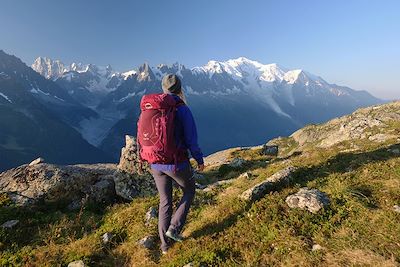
{"x": 200, "y": 167}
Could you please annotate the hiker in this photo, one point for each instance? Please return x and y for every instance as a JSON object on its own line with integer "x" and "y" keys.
{"x": 165, "y": 146}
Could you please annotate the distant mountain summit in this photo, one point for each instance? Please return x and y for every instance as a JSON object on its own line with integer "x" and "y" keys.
{"x": 50, "y": 69}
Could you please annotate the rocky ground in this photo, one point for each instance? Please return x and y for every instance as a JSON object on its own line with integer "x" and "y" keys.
{"x": 328, "y": 195}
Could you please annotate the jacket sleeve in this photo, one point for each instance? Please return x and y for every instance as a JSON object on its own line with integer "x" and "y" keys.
{"x": 190, "y": 134}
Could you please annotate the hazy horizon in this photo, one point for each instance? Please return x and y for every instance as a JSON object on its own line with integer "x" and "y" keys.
{"x": 347, "y": 43}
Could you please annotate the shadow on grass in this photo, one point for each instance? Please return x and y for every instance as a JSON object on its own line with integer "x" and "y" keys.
{"x": 340, "y": 163}
{"x": 216, "y": 227}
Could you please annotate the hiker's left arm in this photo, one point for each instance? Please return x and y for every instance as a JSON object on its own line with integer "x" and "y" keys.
{"x": 190, "y": 135}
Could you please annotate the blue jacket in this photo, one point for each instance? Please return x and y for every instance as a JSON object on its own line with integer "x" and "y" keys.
{"x": 185, "y": 137}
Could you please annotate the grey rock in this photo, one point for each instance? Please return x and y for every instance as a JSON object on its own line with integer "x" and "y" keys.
{"x": 380, "y": 138}
{"x": 269, "y": 150}
{"x": 316, "y": 247}
{"x": 129, "y": 160}
{"x": 147, "y": 242}
{"x": 217, "y": 184}
{"x": 395, "y": 151}
{"x": 103, "y": 191}
{"x": 106, "y": 237}
{"x": 100, "y": 183}
{"x": 125, "y": 186}
{"x": 78, "y": 263}
{"x": 311, "y": 199}
{"x": 132, "y": 178}
{"x": 237, "y": 162}
{"x": 260, "y": 189}
{"x": 220, "y": 157}
{"x": 246, "y": 175}
{"x": 200, "y": 186}
{"x": 28, "y": 185}
{"x": 36, "y": 161}
{"x": 10, "y": 224}
{"x": 190, "y": 264}
{"x": 151, "y": 214}
{"x": 396, "y": 208}
{"x": 130, "y": 186}
{"x": 198, "y": 176}
{"x": 75, "y": 205}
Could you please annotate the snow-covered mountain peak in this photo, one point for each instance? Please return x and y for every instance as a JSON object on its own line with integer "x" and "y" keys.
{"x": 99, "y": 79}
{"x": 303, "y": 77}
{"x": 54, "y": 69}
{"x": 243, "y": 61}
{"x": 78, "y": 67}
{"x": 128, "y": 74}
{"x": 291, "y": 76}
{"x": 242, "y": 67}
{"x": 51, "y": 69}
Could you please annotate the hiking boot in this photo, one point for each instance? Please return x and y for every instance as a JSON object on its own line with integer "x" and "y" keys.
{"x": 174, "y": 235}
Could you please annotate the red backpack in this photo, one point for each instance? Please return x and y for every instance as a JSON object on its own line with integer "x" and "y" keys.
{"x": 155, "y": 130}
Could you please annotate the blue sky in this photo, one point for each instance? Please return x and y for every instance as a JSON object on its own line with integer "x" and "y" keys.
{"x": 353, "y": 42}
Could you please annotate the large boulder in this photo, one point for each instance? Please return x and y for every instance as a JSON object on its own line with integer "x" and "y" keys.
{"x": 31, "y": 184}
{"x": 40, "y": 182}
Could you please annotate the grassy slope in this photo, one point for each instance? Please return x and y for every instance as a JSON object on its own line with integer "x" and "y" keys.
{"x": 359, "y": 228}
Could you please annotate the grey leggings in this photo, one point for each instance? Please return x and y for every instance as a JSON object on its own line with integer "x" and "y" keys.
{"x": 184, "y": 178}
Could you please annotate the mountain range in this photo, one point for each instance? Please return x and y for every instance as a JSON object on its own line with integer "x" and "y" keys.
{"x": 238, "y": 102}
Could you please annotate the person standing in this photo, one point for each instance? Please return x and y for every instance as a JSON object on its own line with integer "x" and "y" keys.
{"x": 165, "y": 134}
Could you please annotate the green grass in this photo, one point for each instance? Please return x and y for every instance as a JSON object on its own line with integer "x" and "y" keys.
{"x": 358, "y": 228}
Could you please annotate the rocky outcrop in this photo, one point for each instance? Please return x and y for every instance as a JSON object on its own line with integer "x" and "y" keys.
{"x": 36, "y": 161}
{"x": 220, "y": 157}
{"x": 373, "y": 124}
{"x": 310, "y": 199}
{"x": 130, "y": 186}
{"x": 237, "y": 163}
{"x": 259, "y": 190}
{"x": 133, "y": 178}
{"x": 40, "y": 182}
{"x": 129, "y": 160}
{"x": 269, "y": 150}
{"x": 31, "y": 184}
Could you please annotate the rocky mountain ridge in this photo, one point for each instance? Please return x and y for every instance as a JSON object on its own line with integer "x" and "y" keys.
{"x": 103, "y": 106}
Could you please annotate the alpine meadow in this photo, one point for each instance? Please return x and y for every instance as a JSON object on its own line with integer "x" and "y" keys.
{"x": 193, "y": 134}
